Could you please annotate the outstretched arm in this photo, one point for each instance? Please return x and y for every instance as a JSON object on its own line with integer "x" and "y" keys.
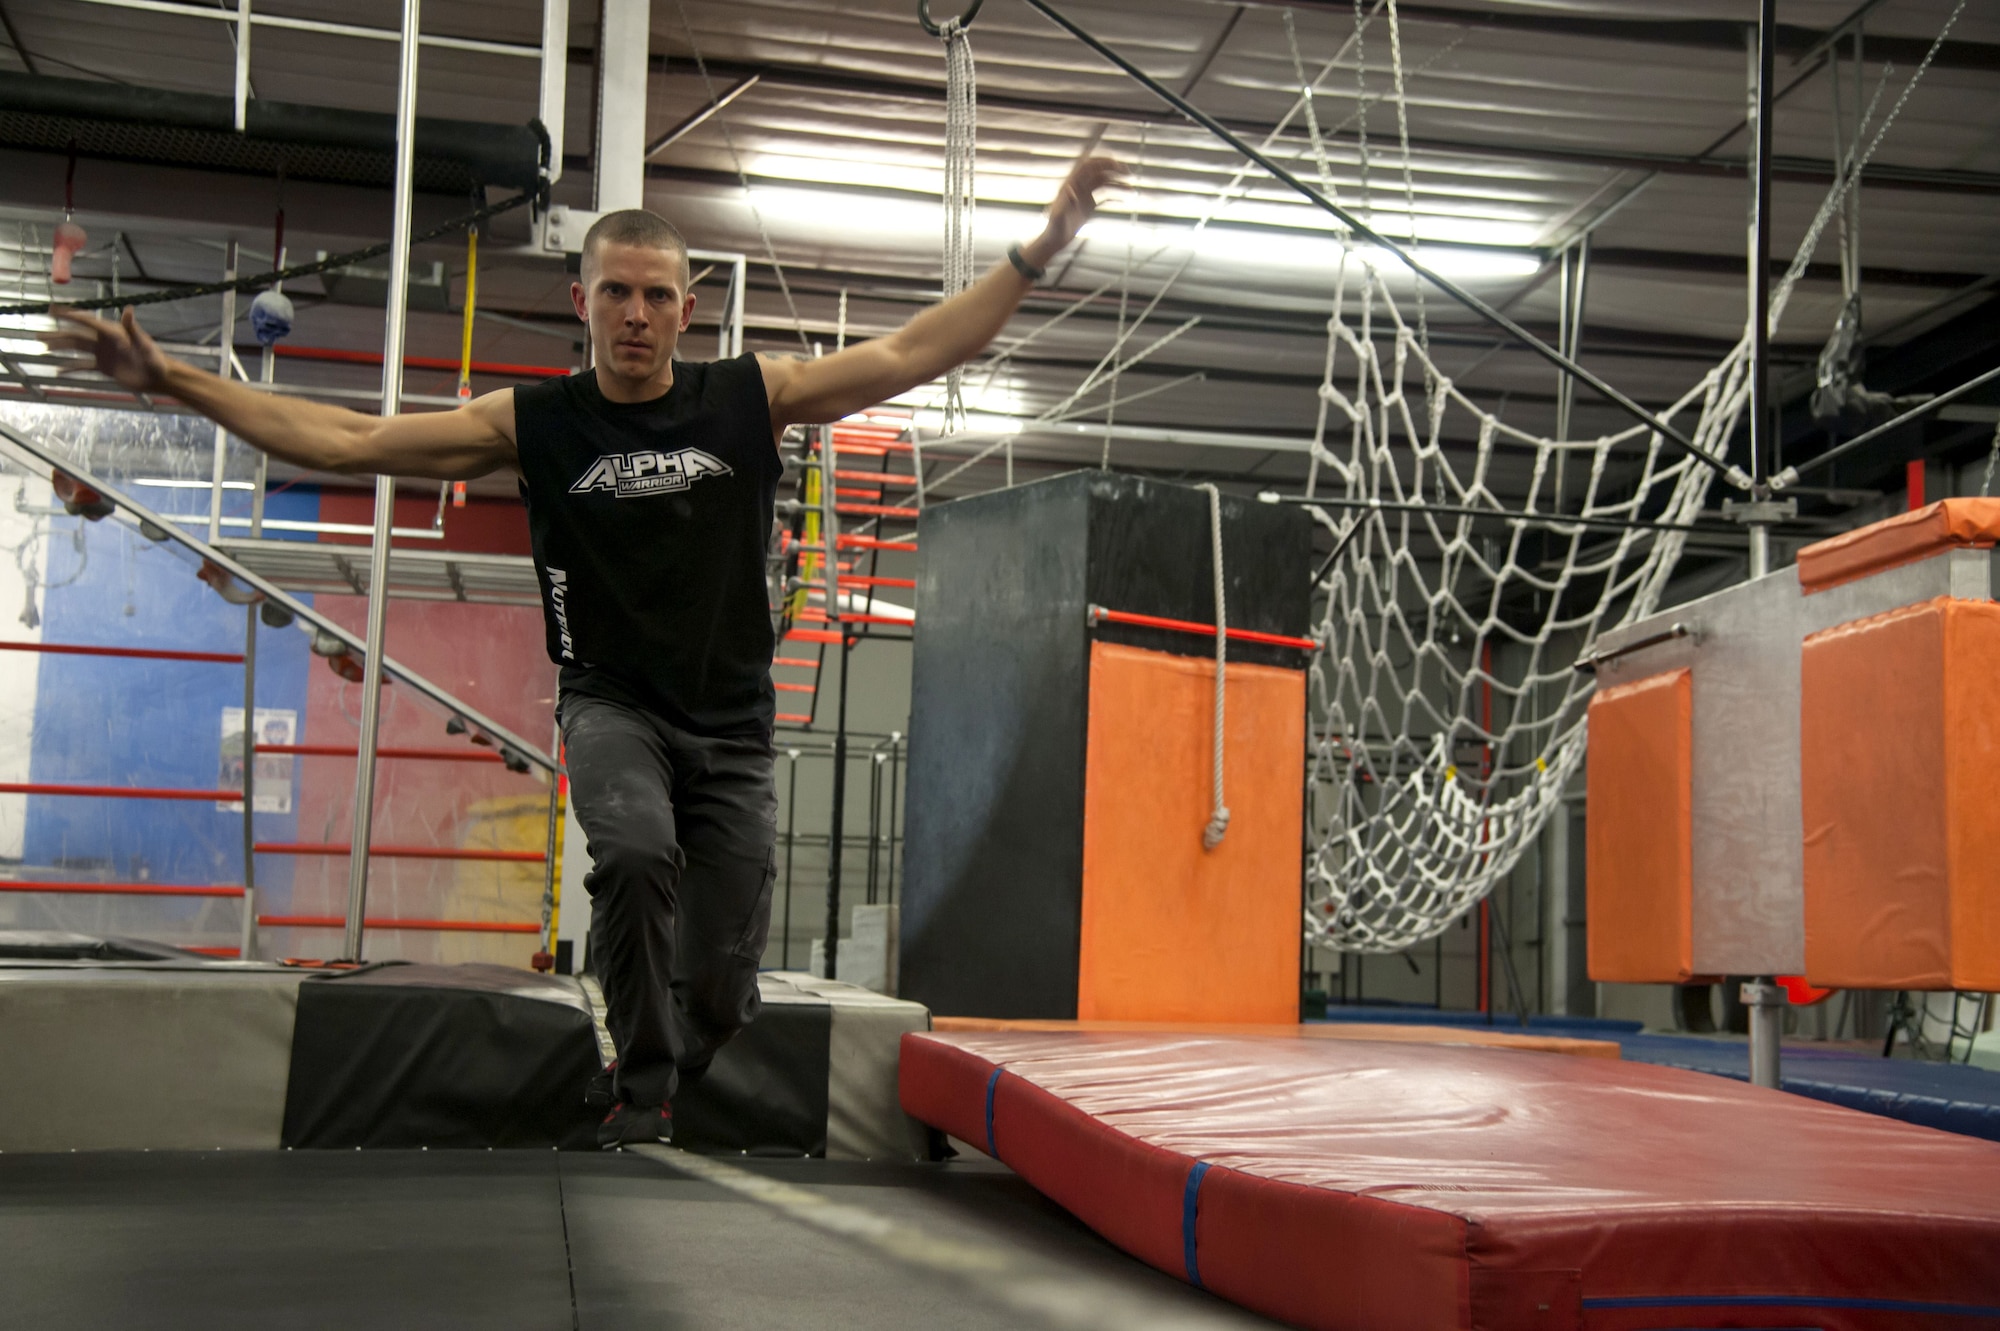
{"x": 459, "y": 445}
{"x": 812, "y": 391}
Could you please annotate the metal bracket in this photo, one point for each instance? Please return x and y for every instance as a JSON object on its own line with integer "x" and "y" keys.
{"x": 1588, "y": 664}
{"x": 1751, "y": 512}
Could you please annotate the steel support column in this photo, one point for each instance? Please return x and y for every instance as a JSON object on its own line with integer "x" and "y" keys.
{"x": 623, "y": 30}
{"x": 555, "y": 80}
{"x": 247, "y": 949}
{"x": 385, "y": 486}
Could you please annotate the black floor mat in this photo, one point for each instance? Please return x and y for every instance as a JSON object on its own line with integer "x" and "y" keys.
{"x": 294, "y": 1239}
{"x": 537, "y": 1240}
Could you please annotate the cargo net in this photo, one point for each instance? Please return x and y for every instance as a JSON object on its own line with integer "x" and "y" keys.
{"x": 1448, "y": 715}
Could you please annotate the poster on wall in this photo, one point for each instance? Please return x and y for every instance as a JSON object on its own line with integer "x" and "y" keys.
{"x": 275, "y": 725}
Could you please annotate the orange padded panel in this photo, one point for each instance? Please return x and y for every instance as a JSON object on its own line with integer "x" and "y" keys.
{"x": 1899, "y": 757}
{"x": 1640, "y": 830}
{"x": 1903, "y": 539}
{"x": 1173, "y": 932}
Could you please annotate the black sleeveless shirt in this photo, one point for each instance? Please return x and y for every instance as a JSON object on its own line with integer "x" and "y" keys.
{"x": 649, "y": 523}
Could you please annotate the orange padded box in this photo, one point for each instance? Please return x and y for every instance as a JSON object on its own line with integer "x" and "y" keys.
{"x": 1899, "y": 754}
{"x": 1172, "y": 931}
{"x": 1945, "y": 525}
{"x": 1640, "y": 832}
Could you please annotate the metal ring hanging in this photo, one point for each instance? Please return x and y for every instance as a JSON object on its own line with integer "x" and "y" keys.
{"x": 964, "y": 20}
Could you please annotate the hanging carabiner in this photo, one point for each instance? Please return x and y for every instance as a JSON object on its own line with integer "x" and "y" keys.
{"x": 964, "y": 20}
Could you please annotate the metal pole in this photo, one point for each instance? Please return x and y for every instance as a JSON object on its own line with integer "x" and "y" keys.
{"x": 895, "y": 785}
{"x": 874, "y": 818}
{"x": 1763, "y": 442}
{"x": 1766, "y": 1002}
{"x": 738, "y": 281}
{"x": 1362, "y": 232}
{"x": 829, "y": 530}
{"x": 834, "y": 843}
{"x": 385, "y": 486}
{"x": 1764, "y": 999}
{"x": 247, "y": 949}
{"x": 242, "y": 65}
{"x": 791, "y": 841}
{"x": 219, "y": 469}
{"x": 555, "y": 80}
{"x": 549, "y": 866}
{"x": 267, "y": 374}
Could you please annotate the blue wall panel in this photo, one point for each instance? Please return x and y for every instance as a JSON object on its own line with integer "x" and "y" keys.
{"x": 118, "y": 721}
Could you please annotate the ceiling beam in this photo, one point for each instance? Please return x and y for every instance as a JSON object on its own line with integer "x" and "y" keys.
{"x": 1794, "y": 41}
{"x": 1807, "y": 169}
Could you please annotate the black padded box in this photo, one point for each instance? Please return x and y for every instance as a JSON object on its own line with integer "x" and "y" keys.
{"x": 993, "y": 862}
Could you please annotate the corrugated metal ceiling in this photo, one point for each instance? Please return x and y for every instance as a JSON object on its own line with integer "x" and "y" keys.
{"x": 1519, "y": 137}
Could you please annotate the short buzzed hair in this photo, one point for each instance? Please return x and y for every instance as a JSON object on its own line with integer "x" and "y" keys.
{"x": 635, "y": 226}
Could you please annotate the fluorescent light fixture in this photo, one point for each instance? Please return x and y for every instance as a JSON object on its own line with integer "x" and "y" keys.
{"x": 1269, "y": 248}
{"x": 884, "y": 216}
{"x": 904, "y": 220}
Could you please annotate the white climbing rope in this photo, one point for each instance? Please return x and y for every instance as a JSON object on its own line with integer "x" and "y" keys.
{"x": 1218, "y": 817}
{"x": 961, "y": 135}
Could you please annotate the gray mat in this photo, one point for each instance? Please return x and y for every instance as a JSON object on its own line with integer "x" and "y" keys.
{"x": 168, "y": 1059}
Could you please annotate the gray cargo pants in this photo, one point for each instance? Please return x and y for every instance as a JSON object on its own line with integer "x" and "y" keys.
{"x": 681, "y": 830}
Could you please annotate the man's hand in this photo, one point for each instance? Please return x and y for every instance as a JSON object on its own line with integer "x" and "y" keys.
{"x": 123, "y": 351}
{"x": 459, "y": 445}
{"x": 1074, "y": 204}
{"x": 944, "y": 335}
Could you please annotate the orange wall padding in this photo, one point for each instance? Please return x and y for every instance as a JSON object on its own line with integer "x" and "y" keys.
{"x": 1903, "y": 539}
{"x": 1640, "y": 830}
{"x": 1899, "y": 753}
{"x": 1171, "y": 931}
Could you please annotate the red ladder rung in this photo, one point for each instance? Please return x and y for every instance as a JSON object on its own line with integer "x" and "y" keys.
{"x": 433, "y": 926}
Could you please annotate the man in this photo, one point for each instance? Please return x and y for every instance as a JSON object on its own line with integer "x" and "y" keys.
{"x": 650, "y": 486}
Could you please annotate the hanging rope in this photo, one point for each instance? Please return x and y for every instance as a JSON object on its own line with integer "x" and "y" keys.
{"x": 961, "y": 133}
{"x": 471, "y": 296}
{"x": 1218, "y": 817}
{"x": 1124, "y": 298}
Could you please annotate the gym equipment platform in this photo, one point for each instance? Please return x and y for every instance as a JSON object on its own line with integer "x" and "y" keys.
{"x": 1373, "y": 1186}
{"x": 549, "y": 1241}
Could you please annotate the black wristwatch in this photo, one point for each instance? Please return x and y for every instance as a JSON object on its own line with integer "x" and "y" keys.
{"x": 1021, "y": 264}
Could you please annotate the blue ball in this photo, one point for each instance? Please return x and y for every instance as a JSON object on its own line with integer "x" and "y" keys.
{"x": 271, "y": 316}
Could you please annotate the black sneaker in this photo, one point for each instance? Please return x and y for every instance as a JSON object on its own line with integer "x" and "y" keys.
{"x": 598, "y": 1093}
{"x": 635, "y": 1125}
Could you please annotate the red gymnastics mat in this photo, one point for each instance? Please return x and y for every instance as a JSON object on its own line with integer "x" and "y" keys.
{"x": 1385, "y": 1187}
